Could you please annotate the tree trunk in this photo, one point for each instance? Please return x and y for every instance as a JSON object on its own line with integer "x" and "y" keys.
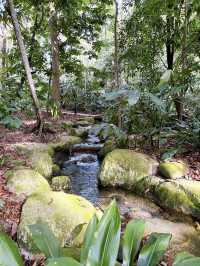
{"x": 25, "y": 63}
{"x": 3, "y": 52}
{"x": 56, "y": 98}
{"x": 170, "y": 50}
{"x": 116, "y": 44}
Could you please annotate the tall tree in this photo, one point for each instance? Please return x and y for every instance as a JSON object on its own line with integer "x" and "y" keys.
{"x": 55, "y": 64}
{"x": 26, "y": 63}
{"x": 116, "y": 44}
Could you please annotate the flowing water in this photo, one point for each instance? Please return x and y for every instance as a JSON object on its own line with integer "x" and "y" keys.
{"x": 82, "y": 167}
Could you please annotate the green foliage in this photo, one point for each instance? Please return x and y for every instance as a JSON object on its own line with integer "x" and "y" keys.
{"x": 186, "y": 259}
{"x": 132, "y": 241}
{"x": 88, "y": 238}
{"x": 154, "y": 249}
{"x": 105, "y": 244}
{"x": 9, "y": 254}
{"x": 101, "y": 245}
{"x": 45, "y": 240}
{"x": 62, "y": 262}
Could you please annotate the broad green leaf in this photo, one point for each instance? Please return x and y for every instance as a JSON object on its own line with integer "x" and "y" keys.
{"x": 9, "y": 253}
{"x": 45, "y": 240}
{"x": 133, "y": 97}
{"x": 111, "y": 96}
{"x": 89, "y": 235}
{"x": 105, "y": 245}
{"x": 159, "y": 104}
{"x": 154, "y": 249}
{"x": 132, "y": 239}
{"x": 166, "y": 77}
{"x": 63, "y": 261}
{"x": 76, "y": 231}
{"x": 72, "y": 252}
{"x": 169, "y": 154}
{"x": 186, "y": 259}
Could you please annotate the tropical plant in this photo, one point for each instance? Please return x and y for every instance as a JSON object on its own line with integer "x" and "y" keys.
{"x": 101, "y": 245}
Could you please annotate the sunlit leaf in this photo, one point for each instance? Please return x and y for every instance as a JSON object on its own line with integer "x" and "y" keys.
{"x": 166, "y": 77}
{"x": 154, "y": 249}
{"x": 186, "y": 259}
{"x": 45, "y": 240}
{"x": 105, "y": 245}
{"x": 88, "y": 238}
{"x": 62, "y": 262}
{"x": 132, "y": 239}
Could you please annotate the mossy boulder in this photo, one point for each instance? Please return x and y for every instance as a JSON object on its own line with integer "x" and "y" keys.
{"x": 108, "y": 146}
{"x": 80, "y": 132}
{"x": 42, "y": 163}
{"x": 25, "y": 182}
{"x": 173, "y": 170}
{"x": 32, "y": 147}
{"x": 56, "y": 170}
{"x": 179, "y": 195}
{"x": 123, "y": 168}
{"x": 62, "y": 212}
{"x": 172, "y": 196}
{"x": 67, "y": 124}
{"x": 61, "y": 183}
{"x": 65, "y": 142}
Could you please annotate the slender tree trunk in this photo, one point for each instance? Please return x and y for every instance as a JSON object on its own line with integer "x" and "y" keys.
{"x": 25, "y": 63}
{"x": 116, "y": 44}
{"x": 3, "y": 52}
{"x": 56, "y": 98}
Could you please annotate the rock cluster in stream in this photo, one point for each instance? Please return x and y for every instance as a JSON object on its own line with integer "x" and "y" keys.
{"x": 61, "y": 211}
{"x": 135, "y": 172}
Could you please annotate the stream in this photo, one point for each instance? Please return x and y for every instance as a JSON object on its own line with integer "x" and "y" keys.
{"x": 83, "y": 166}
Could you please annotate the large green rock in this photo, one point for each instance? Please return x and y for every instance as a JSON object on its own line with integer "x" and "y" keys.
{"x": 61, "y": 183}
{"x": 32, "y": 147}
{"x": 180, "y": 195}
{"x": 173, "y": 170}
{"x": 65, "y": 142}
{"x": 62, "y": 212}
{"x": 108, "y": 146}
{"x": 42, "y": 163}
{"x": 123, "y": 168}
{"x": 171, "y": 195}
{"x": 26, "y": 182}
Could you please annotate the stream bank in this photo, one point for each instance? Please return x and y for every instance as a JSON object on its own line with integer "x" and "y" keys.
{"x": 83, "y": 167}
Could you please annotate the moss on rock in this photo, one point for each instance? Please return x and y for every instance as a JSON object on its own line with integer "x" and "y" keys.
{"x": 108, "y": 146}
{"x": 65, "y": 142}
{"x": 173, "y": 170}
{"x": 26, "y": 182}
{"x": 62, "y": 212}
{"x": 42, "y": 163}
{"x": 61, "y": 183}
{"x": 29, "y": 148}
{"x": 124, "y": 168}
{"x": 56, "y": 170}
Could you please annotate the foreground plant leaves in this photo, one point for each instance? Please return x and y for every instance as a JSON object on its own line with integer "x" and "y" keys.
{"x": 89, "y": 236}
{"x": 9, "y": 253}
{"x": 62, "y": 262}
{"x": 132, "y": 239}
{"x": 105, "y": 245}
{"x": 186, "y": 259}
{"x": 45, "y": 240}
{"x": 154, "y": 249}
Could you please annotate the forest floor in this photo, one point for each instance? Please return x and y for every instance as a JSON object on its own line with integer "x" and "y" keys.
{"x": 10, "y": 205}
